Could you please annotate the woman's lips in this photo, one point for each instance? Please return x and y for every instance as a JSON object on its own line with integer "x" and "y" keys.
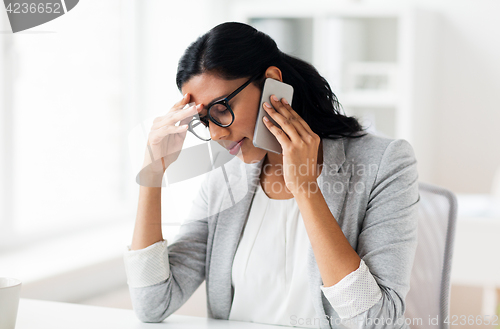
{"x": 236, "y": 147}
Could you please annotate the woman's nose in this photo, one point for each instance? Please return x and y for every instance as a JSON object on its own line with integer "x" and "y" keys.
{"x": 217, "y": 133}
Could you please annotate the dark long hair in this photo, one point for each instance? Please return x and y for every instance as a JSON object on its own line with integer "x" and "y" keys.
{"x": 235, "y": 50}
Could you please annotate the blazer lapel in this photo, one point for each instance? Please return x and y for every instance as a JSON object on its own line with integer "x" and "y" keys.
{"x": 228, "y": 231}
{"x": 335, "y": 175}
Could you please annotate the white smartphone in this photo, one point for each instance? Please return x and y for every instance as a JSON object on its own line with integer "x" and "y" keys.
{"x": 263, "y": 137}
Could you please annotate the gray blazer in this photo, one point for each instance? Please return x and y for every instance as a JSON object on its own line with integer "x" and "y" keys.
{"x": 370, "y": 186}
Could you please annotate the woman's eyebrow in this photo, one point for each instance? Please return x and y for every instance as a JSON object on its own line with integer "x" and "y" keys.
{"x": 214, "y": 100}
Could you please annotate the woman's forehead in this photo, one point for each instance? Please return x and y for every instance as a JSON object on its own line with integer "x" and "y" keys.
{"x": 205, "y": 88}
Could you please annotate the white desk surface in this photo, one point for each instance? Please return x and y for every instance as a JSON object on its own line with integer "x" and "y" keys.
{"x": 42, "y": 314}
{"x": 475, "y": 253}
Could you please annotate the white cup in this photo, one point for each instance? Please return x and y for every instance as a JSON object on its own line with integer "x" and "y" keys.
{"x": 10, "y": 291}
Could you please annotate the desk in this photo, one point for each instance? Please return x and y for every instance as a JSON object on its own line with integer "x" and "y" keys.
{"x": 475, "y": 255}
{"x": 41, "y": 314}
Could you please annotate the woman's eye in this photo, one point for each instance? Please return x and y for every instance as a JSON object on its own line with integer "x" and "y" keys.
{"x": 218, "y": 109}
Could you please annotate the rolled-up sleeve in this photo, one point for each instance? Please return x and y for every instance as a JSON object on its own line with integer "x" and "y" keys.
{"x": 147, "y": 266}
{"x": 354, "y": 294}
{"x": 386, "y": 245}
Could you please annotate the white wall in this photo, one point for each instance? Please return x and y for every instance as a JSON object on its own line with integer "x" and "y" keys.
{"x": 167, "y": 29}
{"x": 467, "y": 73}
{"x": 468, "y": 85}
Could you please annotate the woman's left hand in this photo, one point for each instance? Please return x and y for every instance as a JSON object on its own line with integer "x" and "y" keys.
{"x": 299, "y": 143}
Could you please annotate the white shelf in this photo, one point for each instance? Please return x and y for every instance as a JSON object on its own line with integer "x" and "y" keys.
{"x": 242, "y": 11}
{"x": 368, "y": 99}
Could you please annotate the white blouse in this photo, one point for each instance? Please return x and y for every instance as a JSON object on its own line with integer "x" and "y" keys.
{"x": 269, "y": 272}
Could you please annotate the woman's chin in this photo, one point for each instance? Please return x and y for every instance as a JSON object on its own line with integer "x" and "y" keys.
{"x": 251, "y": 157}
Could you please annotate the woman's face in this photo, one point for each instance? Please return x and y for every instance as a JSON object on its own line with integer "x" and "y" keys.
{"x": 206, "y": 88}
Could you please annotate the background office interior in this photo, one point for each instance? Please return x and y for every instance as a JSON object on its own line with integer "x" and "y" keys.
{"x": 77, "y": 96}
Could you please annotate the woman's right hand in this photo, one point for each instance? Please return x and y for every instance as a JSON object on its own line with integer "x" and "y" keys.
{"x": 165, "y": 141}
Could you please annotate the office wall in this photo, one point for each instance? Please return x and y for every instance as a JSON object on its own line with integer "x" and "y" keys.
{"x": 468, "y": 74}
{"x": 468, "y": 77}
{"x": 468, "y": 82}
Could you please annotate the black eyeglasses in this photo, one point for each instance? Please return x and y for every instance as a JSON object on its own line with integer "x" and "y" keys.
{"x": 219, "y": 112}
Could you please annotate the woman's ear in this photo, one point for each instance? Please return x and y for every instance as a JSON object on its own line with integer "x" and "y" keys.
{"x": 274, "y": 73}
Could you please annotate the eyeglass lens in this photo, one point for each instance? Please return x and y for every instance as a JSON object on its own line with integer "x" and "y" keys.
{"x": 219, "y": 113}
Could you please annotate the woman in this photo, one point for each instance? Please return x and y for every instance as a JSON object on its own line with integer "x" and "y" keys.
{"x": 328, "y": 246}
